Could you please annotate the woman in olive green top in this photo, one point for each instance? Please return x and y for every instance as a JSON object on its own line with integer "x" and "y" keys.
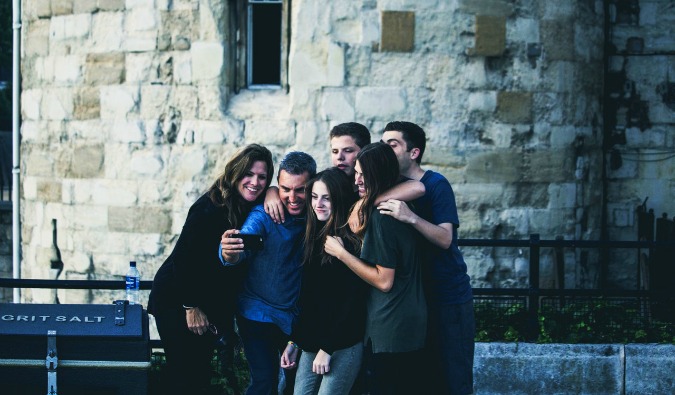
{"x": 396, "y": 320}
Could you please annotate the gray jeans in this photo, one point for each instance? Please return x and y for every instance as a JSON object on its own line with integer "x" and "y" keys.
{"x": 344, "y": 367}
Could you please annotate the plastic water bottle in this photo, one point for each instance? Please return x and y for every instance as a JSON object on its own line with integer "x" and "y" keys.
{"x": 133, "y": 280}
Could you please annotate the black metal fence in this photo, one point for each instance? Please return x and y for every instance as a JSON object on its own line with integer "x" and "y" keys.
{"x": 645, "y": 303}
{"x": 5, "y": 166}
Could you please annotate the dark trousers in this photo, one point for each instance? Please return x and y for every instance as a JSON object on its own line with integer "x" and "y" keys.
{"x": 188, "y": 356}
{"x": 450, "y": 349}
{"x": 263, "y": 344}
{"x": 396, "y": 373}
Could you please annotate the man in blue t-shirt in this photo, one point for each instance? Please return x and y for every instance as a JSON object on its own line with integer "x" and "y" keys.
{"x": 267, "y": 306}
{"x": 451, "y": 327}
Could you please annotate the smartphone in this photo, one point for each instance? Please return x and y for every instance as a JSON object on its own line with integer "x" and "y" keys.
{"x": 251, "y": 242}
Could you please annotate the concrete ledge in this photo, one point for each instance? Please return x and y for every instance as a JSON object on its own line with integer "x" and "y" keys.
{"x": 527, "y": 368}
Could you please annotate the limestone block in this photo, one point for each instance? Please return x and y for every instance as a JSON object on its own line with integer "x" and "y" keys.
{"x": 87, "y": 103}
{"x": 146, "y": 164}
{"x": 380, "y": 103}
{"x": 210, "y": 102}
{"x": 498, "y": 135}
{"x": 107, "y": 32}
{"x": 105, "y": 68}
{"x": 87, "y": 217}
{"x": 68, "y": 69}
{"x": 141, "y": 19}
{"x": 523, "y": 30}
{"x": 309, "y": 135}
{"x": 49, "y": 191}
{"x": 514, "y": 107}
{"x": 404, "y": 72}
{"x": 186, "y": 164}
{"x": 337, "y": 105}
{"x": 558, "y": 39}
{"x": 111, "y": 5}
{"x": 155, "y": 192}
{"x": 271, "y": 132}
{"x": 139, "y": 219}
{"x": 113, "y": 193}
{"x": 69, "y": 27}
{"x": 185, "y": 98}
{"x": 146, "y": 244}
{"x": 140, "y": 41}
{"x": 118, "y": 101}
{"x": 482, "y": 101}
{"x": 335, "y": 65}
{"x": 93, "y": 130}
{"x": 203, "y": 132}
{"x": 562, "y": 9}
{"x": 317, "y": 63}
{"x": 398, "y": 31}
{"x": 177, "y": 27}
{"x": 36, "y": 39}
{"x": 562, "y": 195}
{"x": 127, "y": 131}
{"x": 85, "y": 6}
{"x": 85, "y": 162}
{"x": 490, "y": 36}
{"x": 169, "y": 5}
{"x": 62, "y": 7}
{"x": 41, "y": 162}
{"x": 207, "y": 61}
{"x": 31, "y": 130}
{"x": 139, "y": 67}
{"x": 38, "y": 9}
{"x": 182, "y": 68}
{"x": 154, "y": 100}
{"x": 500, "y": 166}
{"x": 57, "y": 104}
{"x": 501, "y": 8}
{"x": 133, "y": 4}
{"x": 646, "y": 366}
{"x": 31, "y": 102}
{"x": 549, "y": 165}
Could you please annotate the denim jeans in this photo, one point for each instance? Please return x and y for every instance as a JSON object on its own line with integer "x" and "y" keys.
{"x": 344, "y": 367}
{"x": 263, "y": 344}
{"x": 450, "y": 349}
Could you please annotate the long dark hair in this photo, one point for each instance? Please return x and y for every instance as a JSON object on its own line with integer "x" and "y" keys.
{"x": 223, "y": 192}
{"x": 342, "y": 197}
{"x": 380, "y": 171}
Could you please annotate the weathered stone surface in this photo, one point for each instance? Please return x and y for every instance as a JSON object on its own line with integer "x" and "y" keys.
{"x": 36, "y": 41}
{"x": 514, "y": 107}
{"x": 49, "y": 191}
{"x": 57, "y": 104}
{"x": 207, "y": 61}
{"x": 118, "y": 101}
{"x": 81, "y": 162}
{"x": 380, "y": 103}
{"x": 487, "y": 7}
{"x": 497, "y": 167}
{"x": 85, "y": 6}
{"x": 490, "y": 36}
{"x": 62, "y": 7}
{"x": 558, "y": 39}
{"x": 398, "y": 31}
{"x": 87, "y": 103}
{"x": 137, "y": 220}
{"x": 106, "y": 35}
{"x": 105, "y": 69}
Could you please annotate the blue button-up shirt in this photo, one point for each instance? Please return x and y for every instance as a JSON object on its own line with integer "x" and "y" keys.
{"x": 272, "y": 285}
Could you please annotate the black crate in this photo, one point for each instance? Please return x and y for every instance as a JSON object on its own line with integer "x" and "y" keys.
{"x": 100, "y": 349}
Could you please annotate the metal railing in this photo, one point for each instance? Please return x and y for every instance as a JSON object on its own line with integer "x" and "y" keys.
{"x": 533, "y": 294}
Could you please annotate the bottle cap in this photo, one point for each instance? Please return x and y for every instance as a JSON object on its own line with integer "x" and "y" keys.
{"x": 132, "y": 263}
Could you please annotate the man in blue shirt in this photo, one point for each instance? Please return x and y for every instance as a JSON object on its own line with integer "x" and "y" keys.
{"x": 451, "y": 327}
{"x": 267, "y": 305}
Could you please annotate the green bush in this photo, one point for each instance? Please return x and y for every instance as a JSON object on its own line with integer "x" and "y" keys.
{"x": 590, "y": 321}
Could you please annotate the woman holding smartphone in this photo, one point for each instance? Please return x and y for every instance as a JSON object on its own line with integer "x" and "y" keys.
{"x": 193, "y": 295}
{"x": 332, "y": 299}
{"x": 396, "y": 308}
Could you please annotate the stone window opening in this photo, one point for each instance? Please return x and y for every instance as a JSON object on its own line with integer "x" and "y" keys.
{"x": 262, "y": 44}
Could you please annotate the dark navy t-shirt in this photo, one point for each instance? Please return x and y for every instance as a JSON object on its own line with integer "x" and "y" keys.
{"x": 446, "y": 268}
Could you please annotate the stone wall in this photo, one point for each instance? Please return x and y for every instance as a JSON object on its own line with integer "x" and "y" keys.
{"x": 6, "y": 270}
{"x": 129, "y": 112}
{"x": 641, "y": 123}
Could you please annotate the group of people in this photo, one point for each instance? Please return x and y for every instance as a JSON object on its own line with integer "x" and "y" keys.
{"x": 364, "y": 289}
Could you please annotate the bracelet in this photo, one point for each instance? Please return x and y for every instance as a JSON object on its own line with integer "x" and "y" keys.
{"x": 290, "y": 343}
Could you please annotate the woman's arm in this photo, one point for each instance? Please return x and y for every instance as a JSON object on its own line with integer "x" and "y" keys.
{"x": 378, "y": 276}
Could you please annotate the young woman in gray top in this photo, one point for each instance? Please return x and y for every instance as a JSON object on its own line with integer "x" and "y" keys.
{"x": 396, "y": 308}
